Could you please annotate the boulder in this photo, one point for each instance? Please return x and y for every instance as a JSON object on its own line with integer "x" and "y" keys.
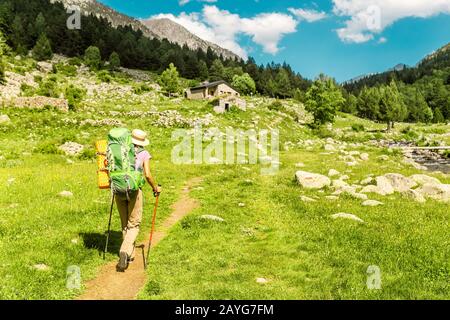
{"x": 333, "y": 173}
{"x": 366, "y": 181}
{"x": 261, "y": 280}
{"x": 41, "y": 267}
{"x": 371, "y": 189}
{"x": 360, "y": 196}
{"x": 4, "y": 119}
{"x": 339, "y": 184}
{"x": 364, "y": 156}
{"x": 212, "y": 218}
{"x": 372, "y": 203}
{"x": 399, "y": 182}
{"x": 435, "y": 191}
{"x": 383, "y": 187}
{"x": 332, "y": 198}
{"x": 44, "y": 66}
{"x": 347, "y": 216}
{"x": 329, "y": 147}
{"x": 65, "y": 194}
{"x": 310, "y": 180}
{"x": 422, "y": 179}
{"x": 307, "y": 199}
{"x": 415, "y": 195}
{"x": 345, "y": 189}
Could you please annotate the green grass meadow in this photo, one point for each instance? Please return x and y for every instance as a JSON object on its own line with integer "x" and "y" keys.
{"x": 296, "y": 246}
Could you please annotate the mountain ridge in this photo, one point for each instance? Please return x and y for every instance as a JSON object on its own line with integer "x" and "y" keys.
{"x": 151, "y": 28}
{"x": 174, "y": 32}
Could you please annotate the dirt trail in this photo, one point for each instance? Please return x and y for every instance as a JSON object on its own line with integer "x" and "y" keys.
{"x": 113, "y": 285}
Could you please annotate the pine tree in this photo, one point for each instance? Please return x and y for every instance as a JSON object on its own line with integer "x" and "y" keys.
{"x": 18, "y": 37}
{"x": 42, "y": 50}
{"x": 283, "y": 85}
{"x": 92, "y": 58}
{"x": 3, "y": 49}
{"x": 438, "y": 117}
{"x": 169, "y": 80}
{"x": 40, "y": 25}
{"x": 368, "y": 105}
{"x": 114, "y": 61}
{"x": 203, "y": 72}
{"x": 323, "y": 100}
{"x": 392, "y": 107}
{"x": 217, "y": 71}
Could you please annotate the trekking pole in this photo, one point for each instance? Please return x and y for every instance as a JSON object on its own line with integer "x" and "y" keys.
{"x": 109, "y": 226}
{"x": 153, "y": 228}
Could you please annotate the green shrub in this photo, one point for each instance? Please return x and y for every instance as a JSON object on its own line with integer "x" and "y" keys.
{"x": 378, "y": 136}
{"x": 66, "y": 69}
{"x": 141, "y": 88}
{"x": 75, "y": 61}
{"x": 37, "y": 79}
{"x": 357, "y": 127}
{"x": 47, "y": 147}
{"x": 275, "y": 106}
{"x": 48, "y": 88}
{"x": 74, "y": 96}
{"x": 27, "y": 91}
{"x": 104, "y": 76}
{"x": 88, "y": 154}
{"x": 409, "y": 133}
{"x": 323, "y": 132}
{"x": 153, "y": 288}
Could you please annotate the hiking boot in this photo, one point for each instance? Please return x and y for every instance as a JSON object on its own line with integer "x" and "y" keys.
{"x": 123, "y": 261}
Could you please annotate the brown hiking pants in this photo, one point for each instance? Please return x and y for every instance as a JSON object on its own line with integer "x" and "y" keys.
{"x": 130, "y": 216}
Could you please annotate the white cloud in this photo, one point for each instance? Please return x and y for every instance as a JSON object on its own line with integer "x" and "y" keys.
{"x": 308, "y": 15}
{"x": 368, "y": 18}
{"x": 223, "y": 27}
{"x": 382, "y": 40}
{"x": 183, "y": 2}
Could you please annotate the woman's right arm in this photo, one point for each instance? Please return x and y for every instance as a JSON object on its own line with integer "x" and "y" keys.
{"x": 149, "y": 177}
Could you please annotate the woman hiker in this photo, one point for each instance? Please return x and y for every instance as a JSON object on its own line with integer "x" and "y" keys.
{"x": 130, "y": 208}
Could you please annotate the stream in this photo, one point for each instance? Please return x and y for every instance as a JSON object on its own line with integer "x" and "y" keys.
{"x": 433, "y": 160}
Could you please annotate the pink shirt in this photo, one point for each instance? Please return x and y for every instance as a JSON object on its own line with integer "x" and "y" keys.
{"x": 141, "y": 158}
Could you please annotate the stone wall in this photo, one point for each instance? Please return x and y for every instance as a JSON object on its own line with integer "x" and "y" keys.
{"x": 40, "y": 103}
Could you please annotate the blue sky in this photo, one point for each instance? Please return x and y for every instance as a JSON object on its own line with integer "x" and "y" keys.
{"x": 342, "y": 38}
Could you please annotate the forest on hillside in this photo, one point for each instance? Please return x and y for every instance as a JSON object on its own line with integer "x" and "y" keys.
{"x": 26, "y": 23}
{"x": 419, "y": 94}
{"x": 423, "y": 91}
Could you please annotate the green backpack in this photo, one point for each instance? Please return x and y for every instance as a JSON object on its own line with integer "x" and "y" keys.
{"x": 122, "y": 163}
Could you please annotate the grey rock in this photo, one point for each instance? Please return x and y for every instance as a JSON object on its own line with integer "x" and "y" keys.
{"x": 310, "y": 180}
{"x": 372, "y": 203}
{"x": 349, "y": 216}
{"x": 399, "y": 182}
{"x": 65, "y": 194}
{"x": 307, "y": 199}
{"x": 212, "y": 218}
{"x": 422, "y": 179}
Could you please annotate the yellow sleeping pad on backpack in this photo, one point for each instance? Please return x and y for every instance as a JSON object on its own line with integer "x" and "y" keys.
{"x": 102, "y": 164}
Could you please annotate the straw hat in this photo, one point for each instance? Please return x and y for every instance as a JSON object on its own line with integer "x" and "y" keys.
{"x": 139, "y": 138}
